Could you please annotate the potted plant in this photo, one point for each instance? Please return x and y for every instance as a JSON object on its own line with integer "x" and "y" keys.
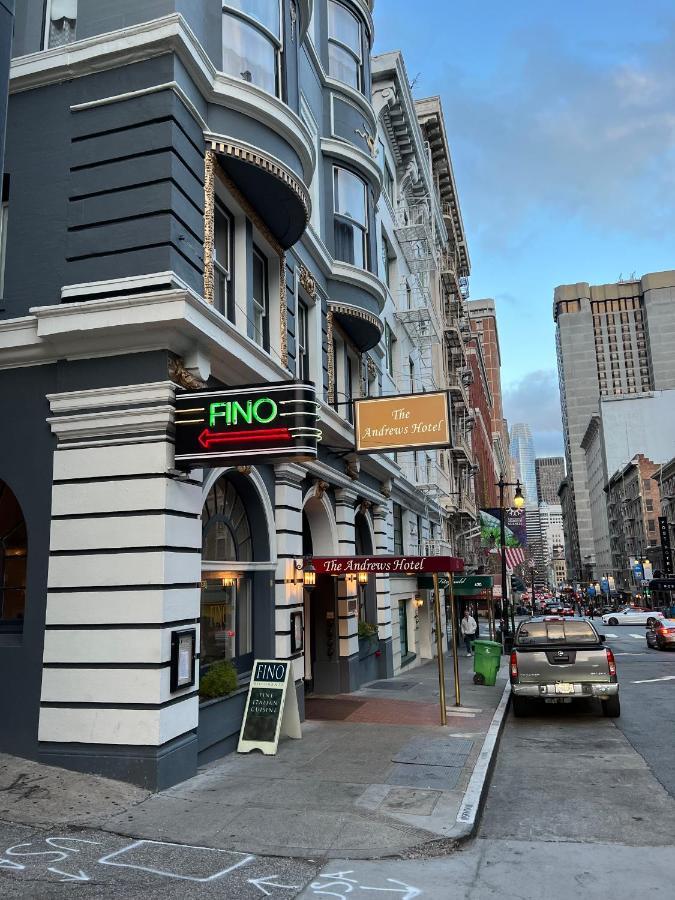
{"x": 368, "y": 639}
{"x": 220, "y": 680}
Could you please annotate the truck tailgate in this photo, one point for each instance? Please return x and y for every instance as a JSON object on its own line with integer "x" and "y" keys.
{"x": 571, "y": 664}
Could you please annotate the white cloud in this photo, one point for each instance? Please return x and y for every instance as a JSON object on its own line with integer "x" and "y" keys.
{"x": 535, "y": 399}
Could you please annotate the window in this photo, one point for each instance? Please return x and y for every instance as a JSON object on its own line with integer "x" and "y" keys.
{"x": 252, "y": 42}
{"x": 344, "y": 46}
{"x": 4, "y": 213}
{"x": 61, "y": 23}
{"x": 13, "y": 559}
{"x": 261, "y": 300}
{"x": 351, "y": 217}
{"x": 398, "y": 529}
{"x": 386, "y": 261}
{"x": 403, "y": 628}
{"x": 389, "y": 348}
{"x": 411, "y": 374}
{"x": 349, "y": 391}
{"x": 226, "y": 600}
{"x": 303, "y": 340}
{"x": 387, "y": 177}
{"x": 222, "y": 261}
{"x": 651, "y": 525}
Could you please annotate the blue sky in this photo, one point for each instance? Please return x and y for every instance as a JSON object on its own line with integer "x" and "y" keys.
{"x": 561, "y": 119}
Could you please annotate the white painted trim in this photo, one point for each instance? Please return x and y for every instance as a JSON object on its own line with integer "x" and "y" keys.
{"x": 112, "y": 422}
{"x": 360, "y": 278}
{"x": 131, "y": 282}
{"x": 102, "y": 398}
{"x": 362, "y": 162}
{"x": 154, "y": 89}
{"x": 154, "y": 38}
{"x": 320, "y": 511}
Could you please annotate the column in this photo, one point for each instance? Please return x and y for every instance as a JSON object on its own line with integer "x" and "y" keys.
{"x": 383, "y": 526}
{"x": 347, "y": 597}
{"x": 288, "y": 581}
{"x": 124, "y": 574}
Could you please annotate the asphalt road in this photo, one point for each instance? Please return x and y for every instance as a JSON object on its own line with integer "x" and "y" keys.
{"x": 579, "y": 805}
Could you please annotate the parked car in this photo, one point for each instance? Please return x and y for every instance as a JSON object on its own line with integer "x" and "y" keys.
{"x": 661, "y": 635}
{"x": 566, "y": 610}
{"x": 631, "y": 615}
{"x": 560, "y": 660}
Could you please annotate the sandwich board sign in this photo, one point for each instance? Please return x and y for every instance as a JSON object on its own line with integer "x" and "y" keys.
{"x": 271, "y": 708}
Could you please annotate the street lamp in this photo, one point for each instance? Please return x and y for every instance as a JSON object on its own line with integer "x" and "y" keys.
{"x": 519, "y": 503}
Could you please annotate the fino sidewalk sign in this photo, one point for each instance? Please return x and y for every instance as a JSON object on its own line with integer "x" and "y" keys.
{"x": 271, "y": 708}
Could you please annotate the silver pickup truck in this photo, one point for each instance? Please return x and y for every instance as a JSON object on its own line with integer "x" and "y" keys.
{"x": 558, "y": 660}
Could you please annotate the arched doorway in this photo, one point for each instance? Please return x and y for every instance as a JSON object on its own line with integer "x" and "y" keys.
{"x": 237, "y": 618}
{"x": 13, "y": 560}
{"x": 319, "y": 538}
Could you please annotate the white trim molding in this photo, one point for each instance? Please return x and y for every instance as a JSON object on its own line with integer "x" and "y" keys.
{"x": 361, "y": 161}
{"x": 362, "y": 279}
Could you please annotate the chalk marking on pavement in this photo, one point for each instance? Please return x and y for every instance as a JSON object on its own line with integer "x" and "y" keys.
{"x": 471, "y": 803}
{"x": 10, "y": 864}
{"x": 342, "y": 882}
{"x": 268, "y": 881}
{"x": 652, "y": 680}
{"x": 607, "y": 634}
{"x": 69, "y": 876}
{"x": 106, "y": 861}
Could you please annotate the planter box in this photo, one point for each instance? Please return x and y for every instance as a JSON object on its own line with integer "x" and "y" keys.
{"x": 368, "y": 646}
{"x": 219, "y": 724}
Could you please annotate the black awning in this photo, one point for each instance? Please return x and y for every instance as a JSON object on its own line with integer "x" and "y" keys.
{"x": 362, "y": 327}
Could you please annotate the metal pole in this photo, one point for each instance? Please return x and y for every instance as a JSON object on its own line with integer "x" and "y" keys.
{"x": 491, "y": 615}
{"x": 439, "y": 648}
{"x": 455, "y": 655}
{"x": 502, "y": 544}
{"x": 534, "y": 600}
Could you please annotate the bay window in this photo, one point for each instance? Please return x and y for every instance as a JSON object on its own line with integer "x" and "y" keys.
{"x": 345, "y": 55}
{"x": 252, "y": 42}
{"x": 222, "y": 261}
{"x": 351, "y": 218}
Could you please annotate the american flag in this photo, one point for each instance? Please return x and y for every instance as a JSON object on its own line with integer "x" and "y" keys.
{"x": 514, "y": 556}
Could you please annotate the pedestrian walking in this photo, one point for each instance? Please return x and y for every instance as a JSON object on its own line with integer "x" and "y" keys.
{"x": 468, "y": 629}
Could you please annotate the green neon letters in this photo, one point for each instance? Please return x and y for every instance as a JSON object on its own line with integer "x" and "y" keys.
{"x": 259, "y": 412}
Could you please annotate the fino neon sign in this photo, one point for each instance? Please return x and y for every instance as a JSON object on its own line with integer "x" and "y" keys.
{"x": 275, "y": 421}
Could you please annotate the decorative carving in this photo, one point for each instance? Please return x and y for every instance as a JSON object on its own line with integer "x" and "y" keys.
{"x": 364, "y": 506}
{"x": 210, "y": 164}
{"x": 283, "y": 311}
{"x": 182, "y": 376}
{"x": 372, "y": 368}
{"x": 352, "y": 467}
{"x": 356, "y": 313}
{"x": 385, "y": 488}
{"x": 244, "y": 470}
{"x": 320, "y": 488}
{"x": 369, "y": 139}
{"x": 308, "y": 282}
{"x": 332, "y": 396}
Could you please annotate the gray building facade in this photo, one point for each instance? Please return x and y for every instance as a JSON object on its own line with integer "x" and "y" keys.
{"x": 201, "y": 179}
{"x": 612, "y": 340}
{"x": 550, "y": 472}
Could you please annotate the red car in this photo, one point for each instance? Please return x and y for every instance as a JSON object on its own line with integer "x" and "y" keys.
{"x": 566, "y": 610}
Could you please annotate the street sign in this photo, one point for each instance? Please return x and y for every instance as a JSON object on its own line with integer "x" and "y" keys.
{"x": 268, "y": 422}
{"x": 386, "y": 565}
{"x": 271, "y": 707}
{"x": 664, "y": 531}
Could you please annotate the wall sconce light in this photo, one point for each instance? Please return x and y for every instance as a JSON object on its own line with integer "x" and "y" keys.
{"x": 419, "y": 602}
{"x": 308, "y": 573}
{"x": 363, "y": 578}
{"x": 229, "y": 581}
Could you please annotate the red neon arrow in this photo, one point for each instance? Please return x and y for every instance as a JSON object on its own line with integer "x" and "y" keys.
{"x": 207, "y": 438}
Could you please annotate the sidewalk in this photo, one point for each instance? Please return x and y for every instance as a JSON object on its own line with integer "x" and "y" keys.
{"x": 374, "y": 775}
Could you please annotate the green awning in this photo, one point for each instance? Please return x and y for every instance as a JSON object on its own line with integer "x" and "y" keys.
{"x": 472, "y": 585}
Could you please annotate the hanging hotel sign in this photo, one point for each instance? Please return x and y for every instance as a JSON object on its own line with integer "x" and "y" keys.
{"x": 386, "y": 565}
{"x": 405, "y": 422}
{"x": 275, "y": 421}
{"x": 271, "y": 707}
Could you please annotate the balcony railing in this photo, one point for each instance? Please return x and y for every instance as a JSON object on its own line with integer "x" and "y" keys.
{"x": 428, "y": 476}
{"x": 414, "y": 232}
{"x": 435, "y": 548}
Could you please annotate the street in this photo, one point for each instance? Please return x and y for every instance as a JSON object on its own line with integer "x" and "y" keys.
{"x": 577, "y": 803}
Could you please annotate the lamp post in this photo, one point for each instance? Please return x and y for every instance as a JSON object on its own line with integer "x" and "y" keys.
{"x": 519, "y": 503}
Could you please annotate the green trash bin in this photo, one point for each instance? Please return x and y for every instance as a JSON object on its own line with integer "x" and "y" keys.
{"x": 486, "y": 660}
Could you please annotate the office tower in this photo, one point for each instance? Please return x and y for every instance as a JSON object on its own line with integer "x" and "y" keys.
{"x": 522, "y": 452}
{"x": 612, "y": 340}
{"x": 550, "y": 472}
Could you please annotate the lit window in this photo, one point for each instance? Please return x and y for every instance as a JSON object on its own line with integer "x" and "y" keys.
{"x": 261, "y": 300}
{"x": 252, "y": 42}
{"x": 351, "y": 218}
{"x": 61, "y": 23}
{"x": 222, "y": 261}
{"x": 344, "y": 45}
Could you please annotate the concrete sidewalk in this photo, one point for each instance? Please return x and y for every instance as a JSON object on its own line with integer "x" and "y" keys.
{"x": 373, "y": 775}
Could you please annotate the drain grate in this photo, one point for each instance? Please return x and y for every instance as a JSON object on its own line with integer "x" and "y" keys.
{"x": 391, "y": 685}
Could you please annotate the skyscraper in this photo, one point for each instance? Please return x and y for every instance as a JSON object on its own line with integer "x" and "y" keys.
{"x": 613, "y": 340}
{"x": 522, "y": 451}
{"x": 550, "y": 472}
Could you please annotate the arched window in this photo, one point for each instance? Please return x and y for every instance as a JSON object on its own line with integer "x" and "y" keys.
{"x": 13, "y": 558}
{"x": 252, "y": 42}
{"x": 226, "y": 602}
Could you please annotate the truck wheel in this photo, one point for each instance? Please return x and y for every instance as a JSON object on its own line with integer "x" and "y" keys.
{"x": 520, "y": 706}
{"x": 612, "y": 708}
{"x": 613, "y": 621}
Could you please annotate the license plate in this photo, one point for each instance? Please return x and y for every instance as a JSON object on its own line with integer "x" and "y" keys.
{"x": 564, "y": 688}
